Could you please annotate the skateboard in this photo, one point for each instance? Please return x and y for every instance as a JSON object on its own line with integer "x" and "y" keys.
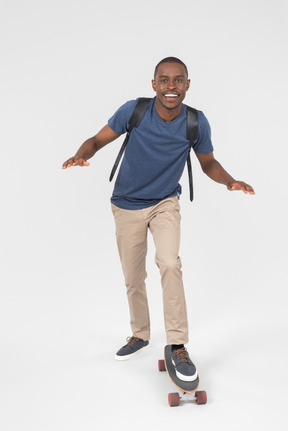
{"x": 188, "y": 389}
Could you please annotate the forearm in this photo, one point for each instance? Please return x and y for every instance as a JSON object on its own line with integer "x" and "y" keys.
{"x": 90, "y": 147}
{"x": 94, "y": 144}
{"x": 217, "y": 173}
{"x": 87, "y": 149}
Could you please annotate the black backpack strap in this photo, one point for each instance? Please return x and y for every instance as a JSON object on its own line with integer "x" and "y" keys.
{"x": 134, "y": 121}
{"x": 192, "y": 135}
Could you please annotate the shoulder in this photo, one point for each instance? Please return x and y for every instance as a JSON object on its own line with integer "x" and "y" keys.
{"x": 127, "y": 107}
{"x": 201, "y": 116}
{"x": 120, "y": 119}
{"x": 203, "y": 121}
{"x": 126, "y": 110}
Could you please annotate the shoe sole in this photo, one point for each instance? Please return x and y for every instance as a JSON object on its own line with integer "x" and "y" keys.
{"x": 126, "y": 357}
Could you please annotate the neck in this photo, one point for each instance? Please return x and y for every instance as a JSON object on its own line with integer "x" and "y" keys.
{"x": 166, "y": 114}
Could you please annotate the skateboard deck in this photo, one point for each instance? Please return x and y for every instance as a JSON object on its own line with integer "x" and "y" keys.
{"x": 186, "y": 387}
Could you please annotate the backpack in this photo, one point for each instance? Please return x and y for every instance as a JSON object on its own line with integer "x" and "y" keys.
{"x": 135, "y": 120}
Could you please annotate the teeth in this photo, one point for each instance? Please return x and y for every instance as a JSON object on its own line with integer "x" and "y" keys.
{"x": 170, "y": 95}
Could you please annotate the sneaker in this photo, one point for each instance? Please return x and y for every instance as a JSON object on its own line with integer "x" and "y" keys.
{"x": 134, "y": 345}
{"x": 184, "y": 367}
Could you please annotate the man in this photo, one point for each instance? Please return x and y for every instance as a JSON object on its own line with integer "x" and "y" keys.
{"x": 146, "y": 196}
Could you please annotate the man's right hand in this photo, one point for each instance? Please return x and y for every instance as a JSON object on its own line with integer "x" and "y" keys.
{"x": 75, "y": 161}
{"x": 90, "y": 147}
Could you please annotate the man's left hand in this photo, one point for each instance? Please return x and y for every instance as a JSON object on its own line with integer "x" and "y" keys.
{"x": 240, "y": 185}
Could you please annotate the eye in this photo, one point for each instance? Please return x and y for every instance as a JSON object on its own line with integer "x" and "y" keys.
{"x": 179, "y": 80}
{"x": 163, "y": 80}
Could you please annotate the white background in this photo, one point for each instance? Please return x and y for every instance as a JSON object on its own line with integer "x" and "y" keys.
{"x": 66, "y": 66}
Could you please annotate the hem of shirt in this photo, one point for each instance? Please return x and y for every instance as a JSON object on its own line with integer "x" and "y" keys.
{"x": 116, "y": 131}
{"x": 137, "y": 204}
{"x": 204, "y": 152}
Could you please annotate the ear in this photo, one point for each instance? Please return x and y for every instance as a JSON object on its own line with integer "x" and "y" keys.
{"x": 153, "y": 84}
{"x": 188, "y": 84}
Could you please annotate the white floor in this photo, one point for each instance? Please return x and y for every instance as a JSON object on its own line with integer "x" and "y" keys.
{"x": 58, "y": 370}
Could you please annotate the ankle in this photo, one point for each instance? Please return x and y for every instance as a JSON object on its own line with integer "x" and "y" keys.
{"x": 177, "y": 346}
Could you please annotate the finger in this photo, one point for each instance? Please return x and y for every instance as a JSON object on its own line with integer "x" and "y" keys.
{"x": 66, "y": 164}
{"x": 250, "y": 190}
{"x": 243, "y": 188}
{"x": 81, "y": 162}
{"x": 239, "y": 186}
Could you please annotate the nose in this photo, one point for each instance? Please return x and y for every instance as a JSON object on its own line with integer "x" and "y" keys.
{"x": 171, "y": 84}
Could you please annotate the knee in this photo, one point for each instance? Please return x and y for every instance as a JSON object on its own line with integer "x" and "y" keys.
{"x": 169, "y": 265}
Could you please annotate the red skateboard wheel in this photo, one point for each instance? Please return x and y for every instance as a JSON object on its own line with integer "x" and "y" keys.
{"x": 174, "y": 399}
{"x": 161, "y": 365}
{"x": 201, "y": 397}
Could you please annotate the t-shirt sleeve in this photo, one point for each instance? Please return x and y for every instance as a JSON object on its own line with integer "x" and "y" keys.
{"x": 120, "y": 120}
{"x": 203, "y": 144}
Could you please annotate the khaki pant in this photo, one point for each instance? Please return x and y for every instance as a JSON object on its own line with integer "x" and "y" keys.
{"x": 163, "y": 220}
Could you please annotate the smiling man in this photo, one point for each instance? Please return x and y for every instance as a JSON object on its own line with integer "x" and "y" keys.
{"x": 146, "y": 197}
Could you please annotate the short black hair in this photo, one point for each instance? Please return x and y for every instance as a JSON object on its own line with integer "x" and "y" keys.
{"x": 170, "y": 60}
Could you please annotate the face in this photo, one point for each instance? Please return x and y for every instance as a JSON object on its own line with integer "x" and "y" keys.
{"x": 170, "y": 84}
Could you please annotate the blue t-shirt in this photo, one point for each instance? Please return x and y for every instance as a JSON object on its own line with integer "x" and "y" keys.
{"x": 155, "y": 156}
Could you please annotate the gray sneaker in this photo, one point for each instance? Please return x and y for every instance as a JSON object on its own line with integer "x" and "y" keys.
{"x": 134, "y": 345}
{"x": 184, "y": 367}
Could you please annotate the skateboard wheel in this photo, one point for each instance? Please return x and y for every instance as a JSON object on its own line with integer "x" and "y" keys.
{"x": 174, "y": 399}
{"x": 201, "y": 397}
{"x": 161, "y": 365}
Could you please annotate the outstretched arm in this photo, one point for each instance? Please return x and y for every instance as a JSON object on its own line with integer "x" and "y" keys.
{"x": 90, "y": 147}
{"x": 216, "y": 172}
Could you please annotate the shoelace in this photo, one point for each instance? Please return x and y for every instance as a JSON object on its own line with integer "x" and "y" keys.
{"x": 182, "y": 355}
{"x": 131, "y": 340}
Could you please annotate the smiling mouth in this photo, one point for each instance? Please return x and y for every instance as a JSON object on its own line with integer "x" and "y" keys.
{"x": 170, "y": 97}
